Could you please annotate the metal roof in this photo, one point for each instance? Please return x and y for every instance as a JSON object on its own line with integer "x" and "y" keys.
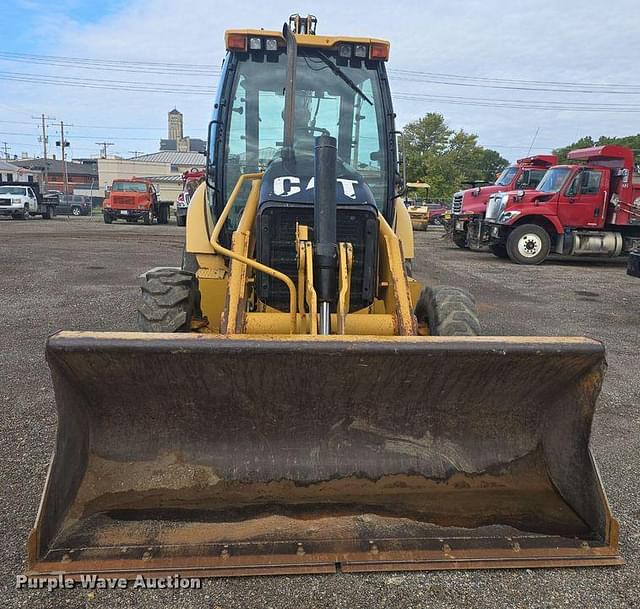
{"x": 55, "y": 166}
{"x": 195, "y": 159}
{"x": 5, "y": 166}
{"x": 175, "y": 178}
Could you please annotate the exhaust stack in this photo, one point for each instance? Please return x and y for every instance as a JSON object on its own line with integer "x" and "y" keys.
{"x": 325, "y": 249}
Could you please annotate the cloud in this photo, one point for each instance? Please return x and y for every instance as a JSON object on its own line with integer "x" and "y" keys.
{"x": 547, "y": 41}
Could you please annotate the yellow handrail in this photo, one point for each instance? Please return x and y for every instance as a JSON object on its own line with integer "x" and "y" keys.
{"x": 248, "y": 216}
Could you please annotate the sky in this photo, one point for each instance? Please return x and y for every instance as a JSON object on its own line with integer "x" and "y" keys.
{"x": 460, "y": 58}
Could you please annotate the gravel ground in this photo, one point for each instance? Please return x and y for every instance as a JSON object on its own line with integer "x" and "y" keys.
{"x": 81, "y": 274}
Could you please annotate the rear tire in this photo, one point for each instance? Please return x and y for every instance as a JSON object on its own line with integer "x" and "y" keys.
{"x": 107, "y": 218}
{"x": 50, "y": 212}
{"x": 163, "y": 214}
{"x": 181, "y": 220}
{"x": 76, "y": 211}
{"x": 448, "y": 311}
{"x": 169, "y": 300}
{"x": 460, "y": 240}
{"x": 528, "y": 244}
{"x": 499, "y": 250}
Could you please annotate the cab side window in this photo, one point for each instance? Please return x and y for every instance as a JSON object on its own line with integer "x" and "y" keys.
{"x": 591, "y": 182}
{"x": 586, "y": 182}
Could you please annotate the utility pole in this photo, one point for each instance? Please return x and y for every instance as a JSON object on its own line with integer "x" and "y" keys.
{"x": 63, "y": 144}
{"x": 135, "y": 153}
{"x": 44, "y": 147}
{"x": 6, "y": 147}
{"x": 104, "y": 145}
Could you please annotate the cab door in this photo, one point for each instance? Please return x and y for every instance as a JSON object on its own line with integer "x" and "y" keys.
{"x": 584, "y": 202}
{"x": 33, "y": 201}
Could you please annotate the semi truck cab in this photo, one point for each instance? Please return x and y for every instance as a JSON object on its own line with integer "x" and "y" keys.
{"x": 592, "y": 208}
{"x": 469, "y": 206}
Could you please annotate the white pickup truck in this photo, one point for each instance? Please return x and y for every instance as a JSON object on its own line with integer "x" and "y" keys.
{"x": 20, "y": 201}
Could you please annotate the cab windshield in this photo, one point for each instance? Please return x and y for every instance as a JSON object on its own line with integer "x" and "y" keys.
{"x": 129, "y": 187}
{"x": 554, "y": 179}
{"x": 506, "y": 177}
{"x": 325, "y": 103}
{"x": 12, "y": 190}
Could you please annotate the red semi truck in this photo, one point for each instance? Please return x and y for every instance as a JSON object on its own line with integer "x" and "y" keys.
{"x": 468, "y": 207}
{"x": 588, "y": 208}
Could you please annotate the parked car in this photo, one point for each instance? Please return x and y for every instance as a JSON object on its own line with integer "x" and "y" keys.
{"x": 436, "y": 211}
{"x": 74, "y": 205}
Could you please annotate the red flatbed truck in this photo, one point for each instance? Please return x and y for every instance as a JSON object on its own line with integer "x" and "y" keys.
{"x": 590, "y": 208}
{"x": 468, "y": 206}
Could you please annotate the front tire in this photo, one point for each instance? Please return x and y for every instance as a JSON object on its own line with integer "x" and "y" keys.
{"x": 169, "y": 300}
{"x": 107, "y": 218}
{"x": 499, "y": 250}
{"x": 148, "y": 218}
{"x": 448, "y": 311}
{"x": 76, "y": 211}
{"x": 528, "y": 244}
{"x": 460, "y": 239}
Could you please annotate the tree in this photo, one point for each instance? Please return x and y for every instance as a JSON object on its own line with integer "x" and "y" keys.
{"x": 444, "y": 158}
{"x": 630, "y": 141}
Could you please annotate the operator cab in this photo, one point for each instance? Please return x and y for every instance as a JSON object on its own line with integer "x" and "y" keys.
{"x": 278, "y": 92}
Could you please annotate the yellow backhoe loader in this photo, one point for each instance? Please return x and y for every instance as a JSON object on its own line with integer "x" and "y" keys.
{"x": 312, "y": 408}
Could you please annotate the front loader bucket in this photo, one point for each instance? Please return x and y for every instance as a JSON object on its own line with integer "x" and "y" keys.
{"x": 207, "y": 455}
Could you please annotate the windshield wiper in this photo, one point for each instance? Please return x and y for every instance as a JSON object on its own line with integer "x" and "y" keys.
{"x": 338, "y": 72}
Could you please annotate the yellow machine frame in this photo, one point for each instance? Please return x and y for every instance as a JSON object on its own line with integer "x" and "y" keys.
{"x": 225, "y": 289}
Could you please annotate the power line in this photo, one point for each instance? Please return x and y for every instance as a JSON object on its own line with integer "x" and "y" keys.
{"x": 398, "y": 73}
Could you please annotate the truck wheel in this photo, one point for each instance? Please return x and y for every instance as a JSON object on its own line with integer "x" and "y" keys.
{"x": 528, "y": 244}
{"x": 148, "y": 218}
{"x": 448, "y": 311}
{"x": 460, "y": 239}
{"x": 181, "y": 220}
{"x": 107, "y": 218}
{"x": 189, "y": 262}
{"x": 25, "y": 213}
{"x": 499, "y": 250}
{"x": 49, "y": 213}
{"x": 169, "y": 300}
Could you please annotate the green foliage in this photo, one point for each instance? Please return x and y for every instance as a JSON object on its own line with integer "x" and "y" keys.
{"x": 444, "y": 158}
{"x": 631, "y": 141}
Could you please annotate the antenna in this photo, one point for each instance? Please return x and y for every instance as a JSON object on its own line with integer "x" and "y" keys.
{"x": 533, "y": 141}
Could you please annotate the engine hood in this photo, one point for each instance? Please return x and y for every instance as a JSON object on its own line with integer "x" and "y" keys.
{"x": 474, "y": 200}
{"x": 293, "y": 182}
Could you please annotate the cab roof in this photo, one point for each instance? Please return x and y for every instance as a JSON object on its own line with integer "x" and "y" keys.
{"x": 306, "y": 40}
{"x": 603, "y": 153}
{"x": 539, "y": 159}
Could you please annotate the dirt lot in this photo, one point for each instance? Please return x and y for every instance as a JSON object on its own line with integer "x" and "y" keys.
{"x": 81, "y": 274}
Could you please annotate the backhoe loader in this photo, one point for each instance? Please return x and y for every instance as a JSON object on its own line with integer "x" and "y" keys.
{"x": 312, "y": 408}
